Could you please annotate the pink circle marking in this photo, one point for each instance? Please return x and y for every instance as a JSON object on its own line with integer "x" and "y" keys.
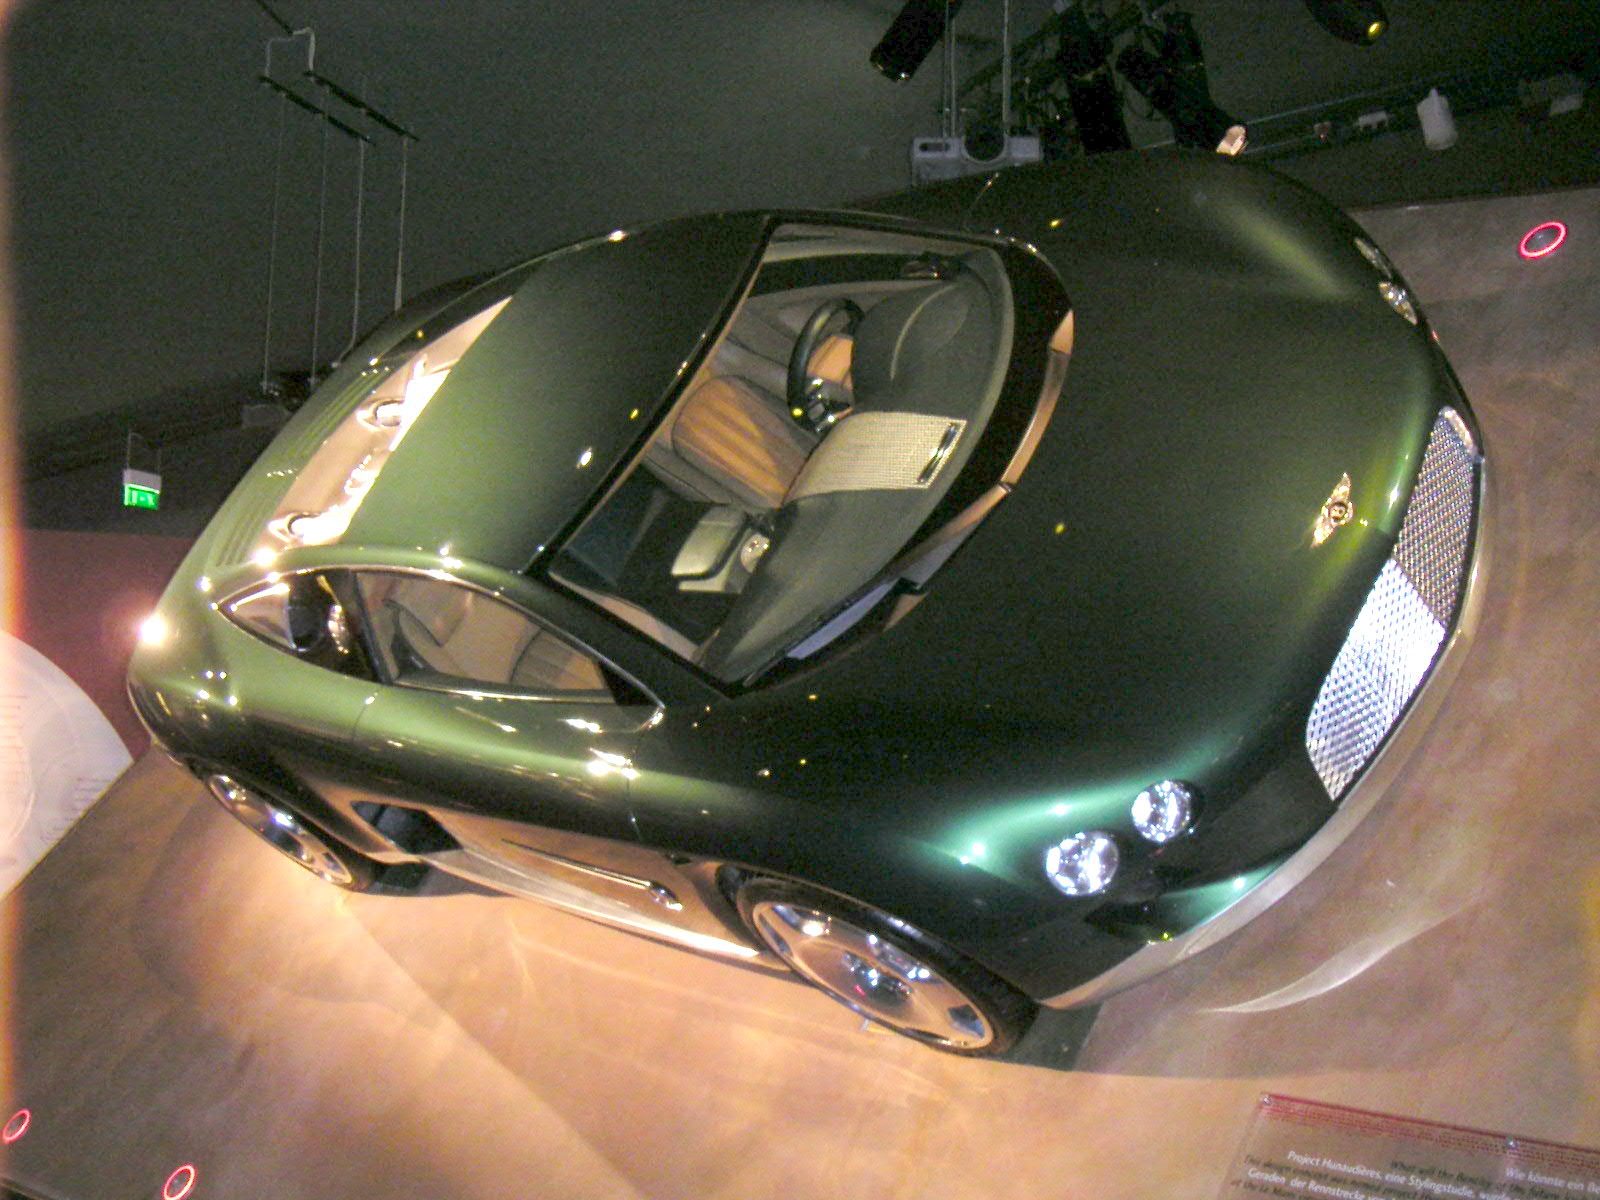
{"x": 179, "y": 1184}
{"x": 1561, "y": 236}
{"x": 16, "y": 1126}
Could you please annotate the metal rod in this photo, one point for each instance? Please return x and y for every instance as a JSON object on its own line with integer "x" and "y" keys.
{"x": 360, "y": 105}
{"x": 355, "y": 298}
{"x": 322, "y": 226}
{"x": 274, "y": 17}
{"x": 294, "y": 36}
{"x": 272, "y": 245}
{"x": 950, "y": 125}
{"x": 151, "y": 446}
{"x": 400, "y": 240}
{"x": 1118, "y": 23}
{"x": 347, "y": 130}
{"x": 1005, "y": 73}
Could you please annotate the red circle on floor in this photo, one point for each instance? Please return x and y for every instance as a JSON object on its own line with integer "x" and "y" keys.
{"x": 16, "y": 1126}
{"x": 179, "y": 1184}
{"x": 1542, "y": 240}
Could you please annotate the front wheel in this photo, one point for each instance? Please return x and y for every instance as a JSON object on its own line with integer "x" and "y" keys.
{"x": 885, "y": 970}
{"x": 287, "y": 832}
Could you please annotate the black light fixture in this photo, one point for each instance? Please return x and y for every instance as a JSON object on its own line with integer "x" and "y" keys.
{"x": 1170, "y": 73}
{"x": 914, "y": 34}
{"x": 1360, "y": 22}
{"x": 1096, "y": 105}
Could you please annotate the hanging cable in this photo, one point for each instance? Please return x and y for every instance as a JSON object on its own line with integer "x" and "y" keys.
{"x": 311, "y": 108}
{"x": 330, "y": 91}
{"x": 355, "y": 290}
{"x": 272, "y": 245}
{"x": 274, "y": 17}
{"x": 322, "y": 225}
{"x": 951, "y": 124}
{"x": 405, "y": 135}
{"x": 360, "y": 105}
{"x": 1005, "y": 74}
{"x": 400, "y": 239}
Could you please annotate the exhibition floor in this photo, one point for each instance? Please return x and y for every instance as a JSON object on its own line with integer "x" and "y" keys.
{"x": 180, "y": 995}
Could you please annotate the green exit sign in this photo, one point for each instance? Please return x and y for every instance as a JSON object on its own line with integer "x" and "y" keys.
{"x": 140, "y": 489}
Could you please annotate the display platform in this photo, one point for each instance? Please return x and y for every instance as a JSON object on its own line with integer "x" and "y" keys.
{"x": 184, "y": 998}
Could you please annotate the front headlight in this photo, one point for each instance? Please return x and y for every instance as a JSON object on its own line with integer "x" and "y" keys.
{"x": 1083, "y": 865}
{"x": 1376, "y": 257}
{"x": 1163, "y": 810}
{"x": 1399, "y": 299}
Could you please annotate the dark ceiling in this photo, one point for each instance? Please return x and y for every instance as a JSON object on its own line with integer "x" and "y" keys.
{"x": 142, "y": 146}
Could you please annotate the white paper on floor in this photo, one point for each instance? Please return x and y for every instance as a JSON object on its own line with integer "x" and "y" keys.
{"x": 58, "y": 753}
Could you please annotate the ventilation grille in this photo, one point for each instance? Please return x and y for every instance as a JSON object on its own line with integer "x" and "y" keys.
{"x": 1406, "y": 617}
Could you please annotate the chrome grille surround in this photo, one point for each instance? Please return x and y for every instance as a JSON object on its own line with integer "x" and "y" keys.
{"x": 1407, "y": 616}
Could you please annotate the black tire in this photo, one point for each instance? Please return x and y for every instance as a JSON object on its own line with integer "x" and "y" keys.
{"x": 885, "y": 970}
{"x": 265, "y": 812}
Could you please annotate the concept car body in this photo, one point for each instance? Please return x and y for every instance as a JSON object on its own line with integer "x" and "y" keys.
{"x": 978, "y": 599}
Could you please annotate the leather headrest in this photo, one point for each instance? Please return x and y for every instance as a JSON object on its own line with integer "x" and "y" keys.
{"x": 907, "y": 330}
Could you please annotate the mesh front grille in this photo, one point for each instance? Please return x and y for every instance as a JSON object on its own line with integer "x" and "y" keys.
{"x": 1432, "y": 549}
{"x": 1406, "y": 617}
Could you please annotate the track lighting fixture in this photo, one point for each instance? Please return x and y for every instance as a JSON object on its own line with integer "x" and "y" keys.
{"x": 1167, "y": 68}
{"x": 1360, "y": 22}
{"x": 914, "y": 34}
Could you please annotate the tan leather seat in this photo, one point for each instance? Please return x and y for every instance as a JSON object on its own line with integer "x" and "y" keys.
{"x": 730, "y": 445}
{"x": 468, "y": 636}
{"x": 831, "y": 361}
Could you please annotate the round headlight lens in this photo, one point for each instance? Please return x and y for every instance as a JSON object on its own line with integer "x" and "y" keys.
{"x": 386, "y": 414}
{"x": 1083, "y": 865}
{"x": 1163, "y": 810}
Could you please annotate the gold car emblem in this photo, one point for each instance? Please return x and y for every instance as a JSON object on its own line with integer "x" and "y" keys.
{"x": 1336, "y": 511}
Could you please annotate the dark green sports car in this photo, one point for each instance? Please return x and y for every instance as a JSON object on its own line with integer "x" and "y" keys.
{"x": 975, "y": 600}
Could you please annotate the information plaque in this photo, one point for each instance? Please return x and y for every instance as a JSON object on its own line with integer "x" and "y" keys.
{"x": 1304, "y": 1149}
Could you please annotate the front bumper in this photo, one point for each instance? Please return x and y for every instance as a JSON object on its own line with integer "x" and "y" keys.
{"x": 1381, "y": 694}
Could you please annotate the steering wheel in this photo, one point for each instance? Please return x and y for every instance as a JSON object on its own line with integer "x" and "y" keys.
{"x": 813, "y": 402}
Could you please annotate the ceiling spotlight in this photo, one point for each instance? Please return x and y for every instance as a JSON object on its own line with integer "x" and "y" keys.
{"x": 1360, "y": 22}
{"x": 914, "y": 34}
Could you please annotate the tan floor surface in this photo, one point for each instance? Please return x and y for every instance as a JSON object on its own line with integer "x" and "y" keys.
{"x": 183, "y": 995}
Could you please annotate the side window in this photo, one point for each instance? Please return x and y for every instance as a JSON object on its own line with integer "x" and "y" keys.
{"x": 433, "y": 633}
{"x": 309, "y": 615}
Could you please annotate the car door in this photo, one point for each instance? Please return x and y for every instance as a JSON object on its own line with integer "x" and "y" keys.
{"x": 515, "y": 740}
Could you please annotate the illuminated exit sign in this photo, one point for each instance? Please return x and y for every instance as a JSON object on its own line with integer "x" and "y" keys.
{"x": 140, "y": 489}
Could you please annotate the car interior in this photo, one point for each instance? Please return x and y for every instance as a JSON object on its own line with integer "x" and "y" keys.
{"x": 434, "y": 632}
{"x": 418, "y": 631}
{"x": 840, "y": 400}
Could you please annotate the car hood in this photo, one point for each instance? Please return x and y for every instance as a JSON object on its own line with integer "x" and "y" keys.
{"x": 1150, "y": 601}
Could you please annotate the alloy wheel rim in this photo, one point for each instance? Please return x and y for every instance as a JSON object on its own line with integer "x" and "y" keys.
{"x": 280, "y": 828}
{"x": 875, "y": 977}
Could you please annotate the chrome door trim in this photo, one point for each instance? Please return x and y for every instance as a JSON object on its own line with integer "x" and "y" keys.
{"x": 659, "y": 892}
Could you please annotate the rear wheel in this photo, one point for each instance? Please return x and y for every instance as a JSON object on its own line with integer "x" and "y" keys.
{"x": 287, "y": 832}
{"x": 884, "y": 969}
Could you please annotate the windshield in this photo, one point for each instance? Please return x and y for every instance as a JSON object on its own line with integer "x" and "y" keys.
{"x": 842, "y": 399}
